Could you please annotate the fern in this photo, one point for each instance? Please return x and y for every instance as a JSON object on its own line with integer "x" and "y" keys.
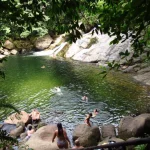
{"x": 141, "y": 147}
{"x": 6, "y": 140}
{"x": 3, "y": 104}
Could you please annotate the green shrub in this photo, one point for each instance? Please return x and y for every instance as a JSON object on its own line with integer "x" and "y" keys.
{"x": 141, "y": 147}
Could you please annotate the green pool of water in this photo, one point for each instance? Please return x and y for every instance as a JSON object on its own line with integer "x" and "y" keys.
{"x": 31, "y": 83}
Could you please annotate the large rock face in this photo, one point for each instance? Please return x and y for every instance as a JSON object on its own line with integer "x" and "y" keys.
{"x": 88, "y": 136}
{"x": 42, "y": 139}
{"x": 101, "y": 51}
{"x": 43, "y": 42}
{"x": 134, "y": 127}
{"x": 16, "y": 118}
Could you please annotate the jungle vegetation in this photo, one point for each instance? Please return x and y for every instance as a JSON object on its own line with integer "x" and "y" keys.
{"x": 120, "y": 18}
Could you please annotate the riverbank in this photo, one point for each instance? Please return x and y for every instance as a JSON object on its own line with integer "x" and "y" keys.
{"x": 129, "y": 128}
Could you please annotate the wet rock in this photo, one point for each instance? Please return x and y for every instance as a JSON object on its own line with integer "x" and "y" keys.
{"x": 8, "y": 127}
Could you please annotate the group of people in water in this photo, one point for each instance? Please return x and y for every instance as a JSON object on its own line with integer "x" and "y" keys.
{"x": 61, "y": 134}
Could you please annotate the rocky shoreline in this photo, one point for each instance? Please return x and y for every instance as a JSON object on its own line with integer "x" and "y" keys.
{"x": 129, "y": 128}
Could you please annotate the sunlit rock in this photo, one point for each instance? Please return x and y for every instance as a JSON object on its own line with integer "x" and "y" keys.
{"x": 15, "y": 118}
{"x": 88, "y": 136}
{"x": 13, "y": 52}
{"x": 99, "y": 50}
{"x": 8, "y": 45}
{"x": 43, "y": 42}
{"x": 42, "y": 139}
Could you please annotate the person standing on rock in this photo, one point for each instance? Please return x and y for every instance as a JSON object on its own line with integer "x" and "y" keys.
{"x": 62, "y": 138}
{"x": 87, "y": 119}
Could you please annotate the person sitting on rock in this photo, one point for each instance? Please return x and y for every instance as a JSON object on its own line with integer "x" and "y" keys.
{"x": 30, "y": 131}
{"x": 35, "y": 115}
{"x": 77, "y": 145}
{"x": 62, "y": 138}
{"x": 87, "y": 119}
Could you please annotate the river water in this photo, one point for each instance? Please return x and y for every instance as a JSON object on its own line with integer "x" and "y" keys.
{"x": 55, "y": 88}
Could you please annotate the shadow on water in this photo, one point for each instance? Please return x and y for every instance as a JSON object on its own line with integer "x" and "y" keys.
{"x": 31, "y": 83}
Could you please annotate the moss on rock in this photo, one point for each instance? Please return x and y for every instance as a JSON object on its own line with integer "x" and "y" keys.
{"x": 63, "y": 51}
{"x": 92, "y": 42}
{"x": 23, "y": 44}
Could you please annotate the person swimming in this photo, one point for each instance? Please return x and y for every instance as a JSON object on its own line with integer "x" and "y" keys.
{"x": 95, "y": 112}
{"x": 87, "y": 119}
{"x": 62, "y": 138}
{"x": 85, "y": 98}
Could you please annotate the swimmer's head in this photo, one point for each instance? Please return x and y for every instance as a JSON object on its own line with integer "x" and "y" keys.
{"x": 90, "y": 114}
{"x": 96, "y": 110}
{"x": 59, "y": 125}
